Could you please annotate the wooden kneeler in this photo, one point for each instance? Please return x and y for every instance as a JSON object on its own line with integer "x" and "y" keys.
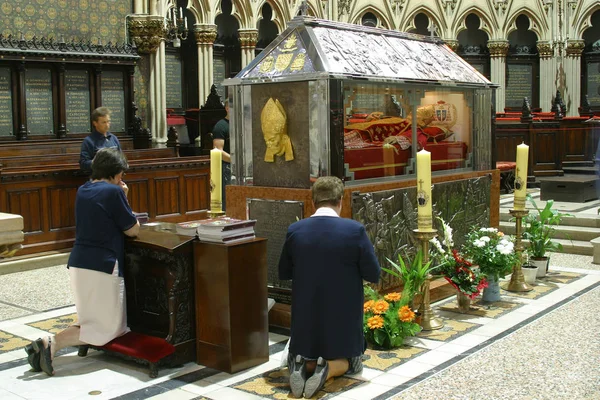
{"x": 144, "y": 349}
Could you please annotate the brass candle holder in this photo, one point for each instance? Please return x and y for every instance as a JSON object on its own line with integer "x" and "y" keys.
{"x": 427, "y": 318}
{"x": 517, "y": 280}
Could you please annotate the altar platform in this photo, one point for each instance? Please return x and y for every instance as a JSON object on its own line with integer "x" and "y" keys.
{"x": 489, "y": 353}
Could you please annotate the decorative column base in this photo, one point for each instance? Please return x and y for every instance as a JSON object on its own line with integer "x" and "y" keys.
{"x": 426, "y": 318}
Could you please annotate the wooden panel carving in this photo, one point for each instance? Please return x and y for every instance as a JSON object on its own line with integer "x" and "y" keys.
{"x": 27, "y": 202}
{"x": 139, "y": 194}
{"x": 61, "y": 207}
{"x": 166, "y": 192}
{"x": 197, "y": 192}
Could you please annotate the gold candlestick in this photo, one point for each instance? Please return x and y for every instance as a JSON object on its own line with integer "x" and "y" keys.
{"x": 517, "y": 280}
{"x": 427, "y": 318}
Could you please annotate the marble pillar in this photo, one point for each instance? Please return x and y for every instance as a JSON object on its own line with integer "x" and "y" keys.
{"x": 498, "y": 51}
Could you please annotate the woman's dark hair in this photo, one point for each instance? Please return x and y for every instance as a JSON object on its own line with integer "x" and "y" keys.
{"x": 108, "y": 162}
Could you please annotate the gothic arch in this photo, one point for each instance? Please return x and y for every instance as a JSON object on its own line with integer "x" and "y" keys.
{"x": 536, "y": 25}
{"x": 460, "y": 26}
{"x": 317, "y": 11}
{"x": 409, "y": 21}
{"x": 280, "y": 16}
{"x": 384, "y": 22}
{"x": 584, "y": 20}
{"x": 200, "y": 9}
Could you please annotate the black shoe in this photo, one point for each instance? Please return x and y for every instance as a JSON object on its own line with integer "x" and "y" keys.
{"x": 298, "y": 376}
{"x": 45, "y": 356}
{"x": 33, "y": 357}
{"x": 317, "y": 381}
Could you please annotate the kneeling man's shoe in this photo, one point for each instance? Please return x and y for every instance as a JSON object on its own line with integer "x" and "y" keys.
{"x": 298, "y": 376}
{"x": 317, "y": 381}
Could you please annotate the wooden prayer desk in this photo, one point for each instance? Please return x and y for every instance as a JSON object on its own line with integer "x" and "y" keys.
{"x": 231, "y": 304}
{"x": 159, "y": 280}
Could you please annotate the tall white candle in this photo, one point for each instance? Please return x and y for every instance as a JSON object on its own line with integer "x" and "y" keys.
{"x": 521, "y": 176}
{"x": 424, "y": 210}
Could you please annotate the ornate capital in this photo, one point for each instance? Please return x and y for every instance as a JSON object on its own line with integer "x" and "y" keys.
{"x": 452, "y": 43}
{"x": 575, "y": 48}
{"x": 545, "y": 49}
{"x": 205, "y": 34}
{"x": 248, "y": 38}
{"x": 498, "y": 48}
{"x": 147, "y": 32}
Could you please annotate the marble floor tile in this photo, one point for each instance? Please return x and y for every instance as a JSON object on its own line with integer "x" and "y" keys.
{"x": 226, "y": 393}
{"x": 392, "y": 380}
{"x": 411, "y": 369}
{"x": 176, "y": 394}
{"x": 435, "y": 357}
{"x": 201, "y": 387}
{"x": 366, "y": 390}
{"x": 225, "y": 379}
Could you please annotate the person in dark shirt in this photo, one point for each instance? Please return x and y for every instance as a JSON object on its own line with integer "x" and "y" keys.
{"x": 98, "y": 139}
{"x": 327, "y": 258}
{"x": 103, "y": 218}
{"x": 220, "y": 135}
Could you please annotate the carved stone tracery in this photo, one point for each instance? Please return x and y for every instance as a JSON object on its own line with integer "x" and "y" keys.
{"x": 205, "y": 34}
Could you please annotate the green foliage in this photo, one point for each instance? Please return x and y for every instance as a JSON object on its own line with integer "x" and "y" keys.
{"x": 413, "y": 277}
{"x": 491, "y": 250}
{"x": 540, "y": 229}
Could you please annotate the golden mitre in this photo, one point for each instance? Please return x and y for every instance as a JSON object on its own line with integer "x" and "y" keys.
{"x": 273, "y": 119}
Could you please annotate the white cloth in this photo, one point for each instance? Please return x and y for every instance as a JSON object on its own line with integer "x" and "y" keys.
{"x": 100, "y": 303}
{"x": 325, "y": 212}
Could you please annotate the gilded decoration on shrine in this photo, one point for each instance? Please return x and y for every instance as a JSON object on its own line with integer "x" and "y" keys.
{"x": 575, "y": 48}
{"x": 545, "y": 49}
{"x": 289, "y": 57}
{"x": 147, "y": 33}
{"x": 273, "y": 121}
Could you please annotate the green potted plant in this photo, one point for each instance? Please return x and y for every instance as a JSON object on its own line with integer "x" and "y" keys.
{"x": 539, "y": 230}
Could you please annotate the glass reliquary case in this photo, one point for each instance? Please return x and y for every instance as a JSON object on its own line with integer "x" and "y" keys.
{"x": 329, "y": 98}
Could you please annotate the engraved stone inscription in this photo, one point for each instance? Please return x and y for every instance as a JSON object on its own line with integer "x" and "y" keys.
{"x": 593, "y": 83}
{"x": 219, "y": 75}
{"x": 38, "y": 100}
{"x": 6, "y": 120}
{"x": 272, "y": 221}
{"x": 174, "y": 92}
{"x": 113, "y": 97}
{"x": 519, "y": 84}
{"x": 77, "y": 101}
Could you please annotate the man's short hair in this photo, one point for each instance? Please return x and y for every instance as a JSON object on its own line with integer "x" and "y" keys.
{"x": 108, "y": 163}
{"x": 100, "y": 112}
{"x": 327, "y": 191}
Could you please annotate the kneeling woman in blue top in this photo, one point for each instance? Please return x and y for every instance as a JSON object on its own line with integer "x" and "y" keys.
{"x": 102, "y": 218}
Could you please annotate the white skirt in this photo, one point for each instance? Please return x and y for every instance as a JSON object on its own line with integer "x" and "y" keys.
{"x": 100, "y": 303}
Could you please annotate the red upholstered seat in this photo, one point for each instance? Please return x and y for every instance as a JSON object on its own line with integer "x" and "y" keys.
{"x": 505, "y": 165}
{"x": 175, "y": 120}
{"x": 138, "y": 345}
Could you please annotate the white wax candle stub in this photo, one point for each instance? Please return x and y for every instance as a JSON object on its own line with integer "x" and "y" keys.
{"x": 424, "y": 209}
{"x": 520, "y": 192}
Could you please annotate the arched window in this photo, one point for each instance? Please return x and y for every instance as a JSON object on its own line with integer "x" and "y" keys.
{"x": 591, "y": 65}
{"x": 522, "y": 67}
{"x": 472, "y": 45}
{"x": 369, "y": 19}
{"x": 227, "y": 56}
{"x": 267, "y": 29}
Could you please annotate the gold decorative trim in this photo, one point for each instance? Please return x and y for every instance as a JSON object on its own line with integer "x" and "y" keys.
{"x": 498, "y": 48}
{"x": 147, "y": 33}
{"x": 575, "y": 48}
{"x": 452, "y": 43}
{"x": 545, "y": 49}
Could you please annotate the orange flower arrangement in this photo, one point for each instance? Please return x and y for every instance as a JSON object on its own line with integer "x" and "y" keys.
{"x": 387, "y": 319}
{"x": 375, "y": 322}
{"x": 394, "y": 296}
{"x": 406, "y": 314}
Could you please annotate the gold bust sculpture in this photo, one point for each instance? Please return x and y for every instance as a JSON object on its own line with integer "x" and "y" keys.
{"x": 273, "y": 120}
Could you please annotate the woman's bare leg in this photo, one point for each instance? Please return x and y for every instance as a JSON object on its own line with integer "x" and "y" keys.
{"x": 65, "y": 338}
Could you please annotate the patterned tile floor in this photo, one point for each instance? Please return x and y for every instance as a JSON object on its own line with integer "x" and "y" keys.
{"x": 386, "y": 373}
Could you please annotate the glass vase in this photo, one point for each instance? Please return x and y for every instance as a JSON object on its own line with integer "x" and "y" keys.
{"x": 463, "y": 301}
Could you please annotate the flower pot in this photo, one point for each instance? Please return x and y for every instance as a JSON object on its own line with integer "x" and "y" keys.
{"x": 492, "y": 292}
{"x": 463, "y": 301}
{"x": 529, "y": 273}
{"x": 542, "y": 264}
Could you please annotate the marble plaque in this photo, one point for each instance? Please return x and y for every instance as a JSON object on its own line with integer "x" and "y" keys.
{"x": 113, "y": 97}
{"x": 519, "y": 84}
{"x": 77, "y": 101}
{"x": 6, "y": 117}
{"x": 174, "y": 91}
{"x": 219, "y": 75}
{"x": 38, "y": 100}
{"x": 273, "y": 217}
{"x": 593, "y": 83}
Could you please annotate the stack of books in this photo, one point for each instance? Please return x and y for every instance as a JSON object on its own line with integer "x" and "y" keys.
{"x": 219, "y": 230}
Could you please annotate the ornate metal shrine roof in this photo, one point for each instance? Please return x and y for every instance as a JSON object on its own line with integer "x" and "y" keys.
{"x": 311, "y": 48}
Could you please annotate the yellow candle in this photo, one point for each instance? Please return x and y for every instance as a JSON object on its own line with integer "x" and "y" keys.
{"x": 215, "y": 180}
{"x": 521, "y": 176}
{"x": 424, "y": 212}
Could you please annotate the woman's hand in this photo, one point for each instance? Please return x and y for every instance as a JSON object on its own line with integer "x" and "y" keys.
{"x": 124, "y": 187}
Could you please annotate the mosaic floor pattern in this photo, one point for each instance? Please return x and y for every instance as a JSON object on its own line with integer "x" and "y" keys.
{"x": 55, "y": 325}
{"x": 451, "y": 330}
{"x": 384, "y": 360}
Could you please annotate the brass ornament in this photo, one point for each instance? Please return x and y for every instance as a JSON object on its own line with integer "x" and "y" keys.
{"x": 273, "y": 119}
{"x": 267, "y": 64}
{"x": 298, "y": 63}
{"x": 290, "y": 44}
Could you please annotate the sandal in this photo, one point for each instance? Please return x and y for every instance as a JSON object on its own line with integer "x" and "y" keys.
{"x": 33, "y": 356}
{"x": 45, "y": 356}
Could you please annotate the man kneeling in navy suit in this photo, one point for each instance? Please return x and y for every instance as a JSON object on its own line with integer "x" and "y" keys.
{"x": 327, "y": 258}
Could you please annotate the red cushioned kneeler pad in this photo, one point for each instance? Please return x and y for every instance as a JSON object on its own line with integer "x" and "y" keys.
{"x": 138, "y": 345}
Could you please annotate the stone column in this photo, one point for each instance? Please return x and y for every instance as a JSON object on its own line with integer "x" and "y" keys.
{"x": 452, "y": 43}
{"x": 498, "y": 51}
{"x": 205, "y": 38}
{"x": 248, "y": 39}
{"x": 572, "y": 90}
{"x": 547, "y": 74}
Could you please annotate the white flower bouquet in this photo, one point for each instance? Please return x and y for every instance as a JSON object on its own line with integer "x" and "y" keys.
{"x": 492, "y": 251}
